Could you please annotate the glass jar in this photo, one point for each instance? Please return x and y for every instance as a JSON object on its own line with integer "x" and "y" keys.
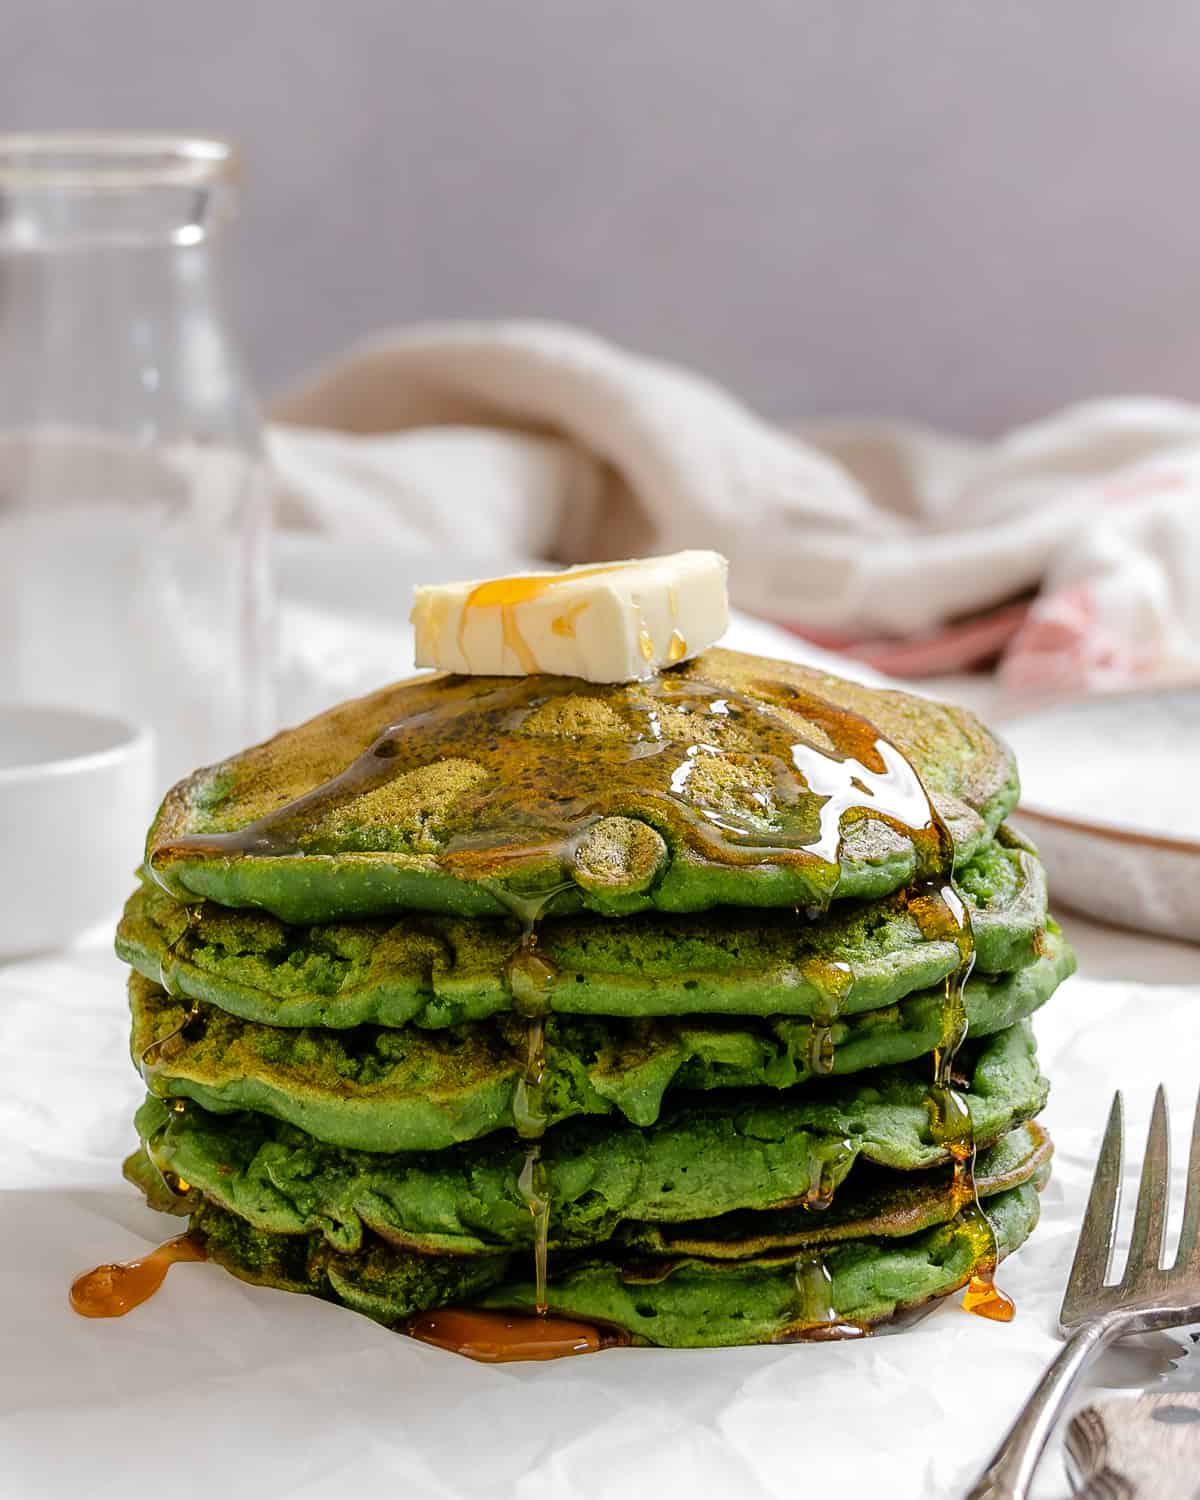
{"x": 134, "y": 504}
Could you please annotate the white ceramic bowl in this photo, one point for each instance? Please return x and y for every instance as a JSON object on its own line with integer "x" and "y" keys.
{"x": 75, "y": 797}
{"x": 1110, "y": 795}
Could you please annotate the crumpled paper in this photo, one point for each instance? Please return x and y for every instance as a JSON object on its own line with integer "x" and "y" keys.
{"x": 217, "y": 1388}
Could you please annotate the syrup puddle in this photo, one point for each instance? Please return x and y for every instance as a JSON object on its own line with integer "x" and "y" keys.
{"x": 499, "y": 1337}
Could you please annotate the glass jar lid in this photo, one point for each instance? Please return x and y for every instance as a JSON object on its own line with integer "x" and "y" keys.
{"x": 71, "y": 189}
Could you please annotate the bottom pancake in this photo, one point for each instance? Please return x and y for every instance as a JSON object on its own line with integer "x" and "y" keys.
{"x": 672, "y": 1302}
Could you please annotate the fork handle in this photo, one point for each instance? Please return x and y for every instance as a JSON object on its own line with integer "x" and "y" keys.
{"x": 1010, "y": 1472}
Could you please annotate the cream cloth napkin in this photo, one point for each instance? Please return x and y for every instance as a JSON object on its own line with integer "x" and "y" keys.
{"x": 545, "y": 440}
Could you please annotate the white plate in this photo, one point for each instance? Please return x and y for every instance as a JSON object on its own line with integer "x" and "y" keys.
{"x": 1111, "y": 794}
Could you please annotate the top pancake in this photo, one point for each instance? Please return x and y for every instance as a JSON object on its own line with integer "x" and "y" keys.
{"x": 730, "y": 779}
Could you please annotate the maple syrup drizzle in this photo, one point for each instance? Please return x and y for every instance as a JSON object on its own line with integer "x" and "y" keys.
{"x": 110, "y": 1291}
{"x": 896, "y": 793}
{"x": 539, "y": 804}
{"x": 940, "y": 913}
{"x": 274, "y": 833}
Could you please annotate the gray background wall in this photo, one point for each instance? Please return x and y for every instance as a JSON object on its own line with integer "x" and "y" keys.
{"x": 956, "y": 211}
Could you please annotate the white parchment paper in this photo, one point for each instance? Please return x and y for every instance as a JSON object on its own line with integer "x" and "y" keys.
{"x": 214, "y": 1388}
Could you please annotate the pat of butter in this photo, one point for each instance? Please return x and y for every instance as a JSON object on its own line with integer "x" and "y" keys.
{"x": 612, "y": 622}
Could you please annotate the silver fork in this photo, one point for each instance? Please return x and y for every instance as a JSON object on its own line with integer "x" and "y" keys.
{"x": 1094, "y": 1312}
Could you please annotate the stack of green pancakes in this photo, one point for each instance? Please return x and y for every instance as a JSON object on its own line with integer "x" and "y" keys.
{"x": 694, "y": 1010}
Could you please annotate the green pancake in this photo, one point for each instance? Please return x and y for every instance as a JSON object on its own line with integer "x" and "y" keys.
{"x": 379, "y": 1089}
{"x": 278, "y": 1181}
{"x": 705, "y": 1157}
{"x": 728, "y": 780}
{"x": 686, "y": 1303}
{"x": 434, "y": 971}
{"x": 875, "y": 1201}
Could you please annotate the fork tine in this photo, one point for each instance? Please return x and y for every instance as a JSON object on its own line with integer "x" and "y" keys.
{"x": 1093, "y": 1253}
{"x": 1188, "y": 1256}
{"x": 1154, "y": 1191}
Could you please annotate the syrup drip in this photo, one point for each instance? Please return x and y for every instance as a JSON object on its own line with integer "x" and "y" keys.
{"x": 176, "y": 948}
{"x": 564, "y": 624}
{"x": 529, "y": 1102}
{"x": 169, "y": 1046}
{"x": 832, "y": 979}
{"x": 177, "y": 1186}
{"x": 942, "y": 915}
{"x": 820, "y": 1050}
{"x": 529, "y": 1116}
{"x": 824, "y": 1175}
{"x": 984, "y": 1298}
{"x": 514, "y": 641}
{"x": 110, "y": 1291}
{"x": 532, "y": 1187}
{"x": 816, "y": 1319}
{"x": 498, "y": 1336}
{"x": 530, "y": 978}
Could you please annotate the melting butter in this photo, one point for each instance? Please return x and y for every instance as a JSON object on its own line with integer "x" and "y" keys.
{"x": 612, "y": 622}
